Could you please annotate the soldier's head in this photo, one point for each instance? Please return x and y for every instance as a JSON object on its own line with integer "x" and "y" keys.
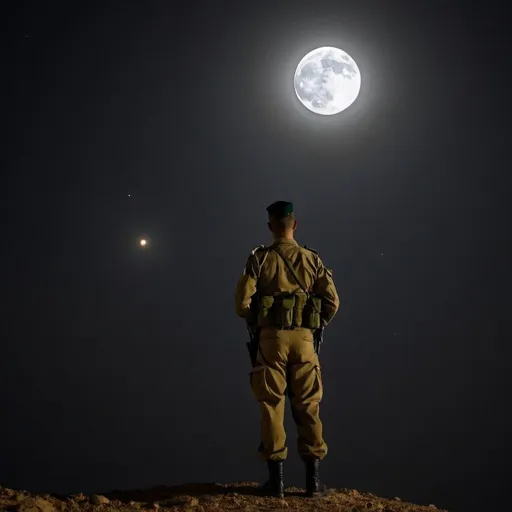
{"x": 281, "y": 219}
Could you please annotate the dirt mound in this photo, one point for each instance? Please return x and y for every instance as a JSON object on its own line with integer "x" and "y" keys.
{"x": 204, "y": 498}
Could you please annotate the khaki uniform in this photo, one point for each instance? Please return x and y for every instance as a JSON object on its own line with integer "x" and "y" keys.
{"x": 287, "y": 361}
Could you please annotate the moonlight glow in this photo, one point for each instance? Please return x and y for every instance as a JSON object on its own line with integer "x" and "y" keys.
{"x": 143, "y": 242}
{"x": 327, "y": 80}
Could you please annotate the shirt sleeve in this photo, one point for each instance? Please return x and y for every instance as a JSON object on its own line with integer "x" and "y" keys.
{"x": 246, "y": 287}
{"x": 325, "y": 288}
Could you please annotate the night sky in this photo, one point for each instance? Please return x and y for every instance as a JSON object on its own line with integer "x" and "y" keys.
{"x": 123, "y": 367}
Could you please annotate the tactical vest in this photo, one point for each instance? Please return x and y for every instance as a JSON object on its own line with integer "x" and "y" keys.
{"x": 286, "y": 310}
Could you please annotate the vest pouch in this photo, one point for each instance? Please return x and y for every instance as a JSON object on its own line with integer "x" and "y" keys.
{"x": 265, "y": 314}
{"x": 285, "y": 311}
{"x": 300, "y": 302}
{"x": 311, "y": 315}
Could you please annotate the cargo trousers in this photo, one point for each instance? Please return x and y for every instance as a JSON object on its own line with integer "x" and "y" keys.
{"x": 287, "y": 363}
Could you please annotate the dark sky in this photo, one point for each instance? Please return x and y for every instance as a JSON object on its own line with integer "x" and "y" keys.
{"x": 123, "y": 368}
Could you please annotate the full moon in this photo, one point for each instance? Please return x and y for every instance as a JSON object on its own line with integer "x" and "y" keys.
{"x": 143, "y": 242}
{"x": 327, "y": 81}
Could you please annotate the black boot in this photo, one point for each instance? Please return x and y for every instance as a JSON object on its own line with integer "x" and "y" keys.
{"x": 313, "y": 487}
{"x": 274, "y": 486}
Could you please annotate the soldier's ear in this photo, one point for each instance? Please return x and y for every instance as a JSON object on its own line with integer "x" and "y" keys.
{"x": 294, "y": 225}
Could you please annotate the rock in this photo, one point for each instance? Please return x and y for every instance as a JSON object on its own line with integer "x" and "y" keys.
{"x": 8, "y": 493}
{"x": 98, "y": 499}
{"x": 78, "y": 497}
{"x": 36, "y": 505}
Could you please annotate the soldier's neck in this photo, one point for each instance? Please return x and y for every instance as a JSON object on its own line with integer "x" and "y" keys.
{"x": 284, "y": 237}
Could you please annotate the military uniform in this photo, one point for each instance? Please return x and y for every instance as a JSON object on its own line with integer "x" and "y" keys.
{"x": 287, "y": 361}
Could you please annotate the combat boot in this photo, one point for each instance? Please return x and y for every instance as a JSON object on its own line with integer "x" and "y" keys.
{"x": 274, "y": 486}
{"x": 313, "y": 487}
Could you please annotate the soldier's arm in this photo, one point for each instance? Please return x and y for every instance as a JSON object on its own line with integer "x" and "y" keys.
{"x": 325, "y": 288}
{"x": 246, "y": 287}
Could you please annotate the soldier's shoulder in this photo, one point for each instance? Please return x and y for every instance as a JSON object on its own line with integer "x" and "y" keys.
{"x": 258, "y": 253}
{"x": 314, "y": 255}
{"x": 314, "y": 251}
{"x": 258, "y": 250}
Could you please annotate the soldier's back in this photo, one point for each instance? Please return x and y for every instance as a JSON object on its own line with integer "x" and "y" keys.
{"x": 275, "y": 276}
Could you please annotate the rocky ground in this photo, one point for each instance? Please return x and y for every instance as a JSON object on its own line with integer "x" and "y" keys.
{"x": 204, "y": 498}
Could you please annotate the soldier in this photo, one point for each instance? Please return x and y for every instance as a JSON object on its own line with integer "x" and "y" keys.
{"x": 287, "y": 294}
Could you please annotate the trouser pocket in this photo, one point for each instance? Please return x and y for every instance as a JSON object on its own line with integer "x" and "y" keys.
{"x": 258, "y": 383}
{"x": 305, "y": 384}
{"x": 318, "y": 387}
{"x": 267, "y": 384}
